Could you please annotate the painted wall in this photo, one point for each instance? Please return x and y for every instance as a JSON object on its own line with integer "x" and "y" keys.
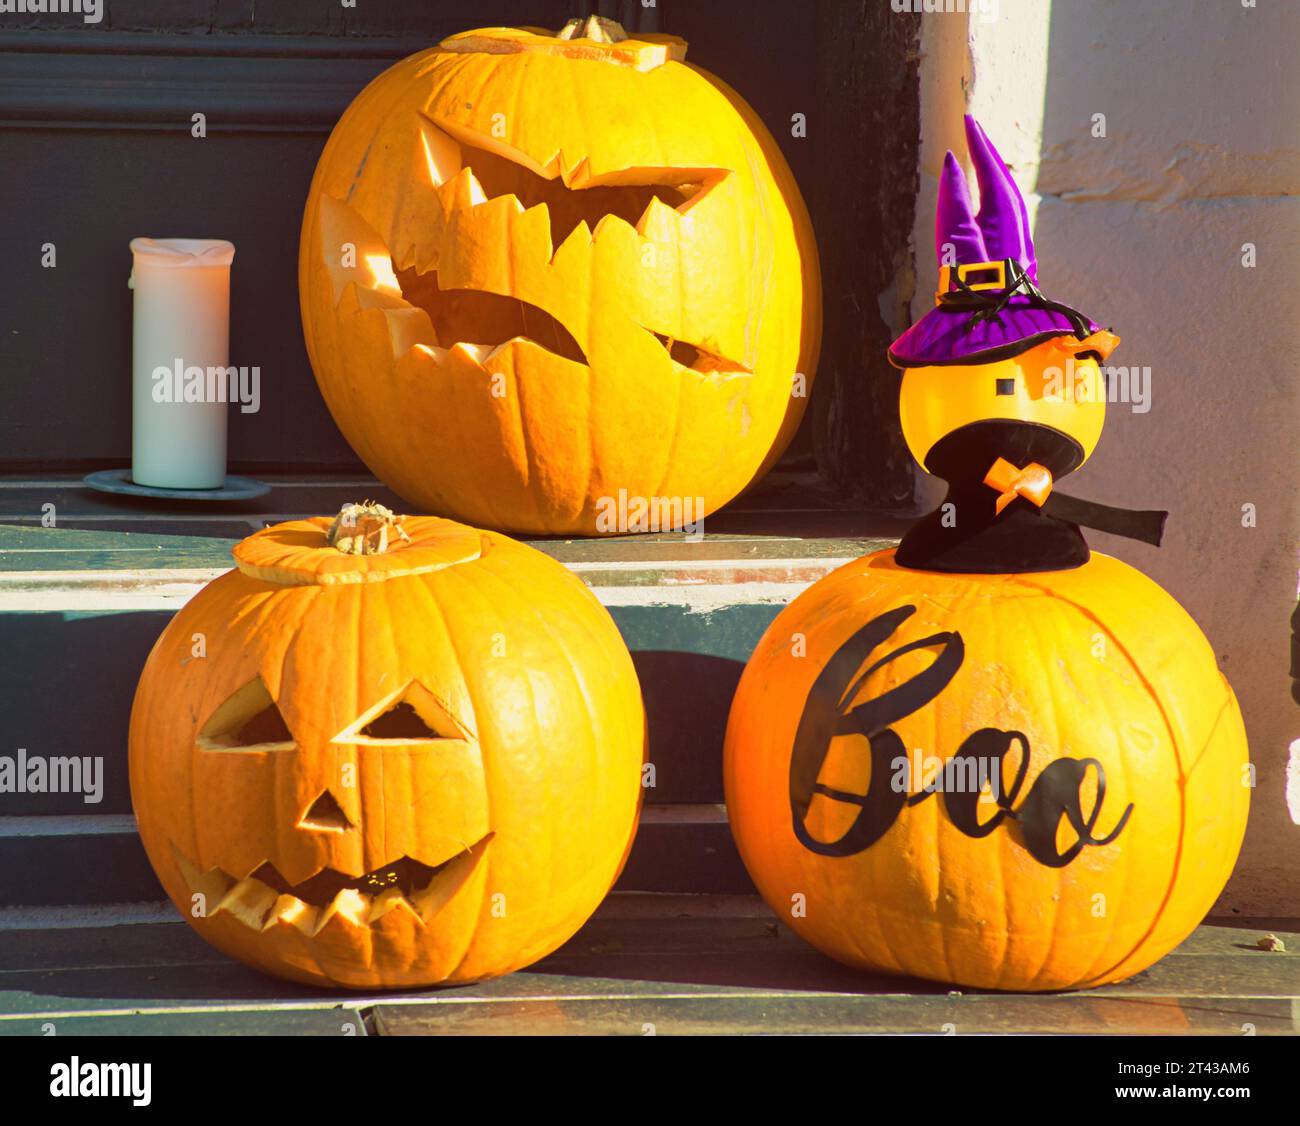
{"x": 1144, "y": 228}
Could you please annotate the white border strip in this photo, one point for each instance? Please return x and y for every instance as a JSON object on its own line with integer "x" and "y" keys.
{"x": 795, "y": 563}
{"x": 706, "y": 599}
{"x": 206, "y": 574}
{"x": 110, "y": 591}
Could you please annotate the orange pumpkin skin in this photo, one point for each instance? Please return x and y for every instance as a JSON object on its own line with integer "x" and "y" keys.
{"x": 1098, "y": 663}
{"x": 522, "y": 797}
{"x": 536, "y": 273}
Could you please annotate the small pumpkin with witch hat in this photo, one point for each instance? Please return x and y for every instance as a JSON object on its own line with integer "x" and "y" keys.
{"x": 1002, "y": 392}
{"x": 991, "y": 757}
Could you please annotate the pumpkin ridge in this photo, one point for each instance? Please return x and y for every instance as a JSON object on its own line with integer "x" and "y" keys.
{"x": 938, "y": 836}
{"x": 1209, "y": 739}
{"x": 1047, "y": 941}
{"x": 1175, "y": 746}
{"x": 1054, "y": 903}
{"x": 1123, "y": 859}
{"x": 675, "y": 430}
{"x": 678, "y": 417}
{"x": 1158, "y": 699}
{"x": 583, "y": 688}
{"x": 430, "y": 591}
{"x": 549, "y": 638}
{"x": 530, "y": 454}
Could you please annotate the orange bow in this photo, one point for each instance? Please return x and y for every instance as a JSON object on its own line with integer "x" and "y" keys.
{"x": 1034, "y": 482}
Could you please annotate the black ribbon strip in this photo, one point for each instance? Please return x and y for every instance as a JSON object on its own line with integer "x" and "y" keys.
{"x": 1145, "y": 525}
{"x": 986, "y": 304}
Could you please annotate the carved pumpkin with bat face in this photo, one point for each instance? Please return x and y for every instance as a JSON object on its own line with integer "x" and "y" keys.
{"x": 537, "y": 271}
{"x": 384, "y": 770}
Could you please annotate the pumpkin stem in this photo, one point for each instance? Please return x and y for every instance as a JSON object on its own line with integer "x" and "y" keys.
{"x": 596, "y": 28}
{"x": 362, "y": 529}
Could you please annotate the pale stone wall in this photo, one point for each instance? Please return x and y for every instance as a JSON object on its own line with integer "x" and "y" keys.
{"x": 1144, "y": 229}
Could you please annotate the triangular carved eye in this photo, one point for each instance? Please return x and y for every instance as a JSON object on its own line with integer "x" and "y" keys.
{"x": 326, "y": 814}
{"x": 411, "y": 715}
{"x": 248, "y": 721}
{"x": 401, "y": 721}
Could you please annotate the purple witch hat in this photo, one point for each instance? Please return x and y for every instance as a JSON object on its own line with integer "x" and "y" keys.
{"x": 988, "y": 306}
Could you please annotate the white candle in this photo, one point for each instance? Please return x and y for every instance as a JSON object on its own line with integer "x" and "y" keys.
{"x": 180, "y": 350}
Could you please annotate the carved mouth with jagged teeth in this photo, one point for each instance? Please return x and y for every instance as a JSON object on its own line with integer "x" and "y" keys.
{"x": 567, "y": 208}
{"x": 264, "y": 898}
{"x": 408, "y": 876}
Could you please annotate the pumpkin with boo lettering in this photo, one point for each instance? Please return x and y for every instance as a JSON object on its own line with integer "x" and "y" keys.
{"x": 1026, "y": 782}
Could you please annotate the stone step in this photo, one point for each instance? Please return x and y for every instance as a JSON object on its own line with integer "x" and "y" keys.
{"x": 71, "y": 596}
{"x": 97, "y": 860}
{"x": 82, "y": 602}
{"x": 71, "y": 673}
{"x": 643, "y": 963}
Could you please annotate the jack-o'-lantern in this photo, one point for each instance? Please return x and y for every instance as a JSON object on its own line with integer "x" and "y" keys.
{"x": 383, "y": 753}
{"x": 539, "y": 271}
{"x": 991, "y": 757}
